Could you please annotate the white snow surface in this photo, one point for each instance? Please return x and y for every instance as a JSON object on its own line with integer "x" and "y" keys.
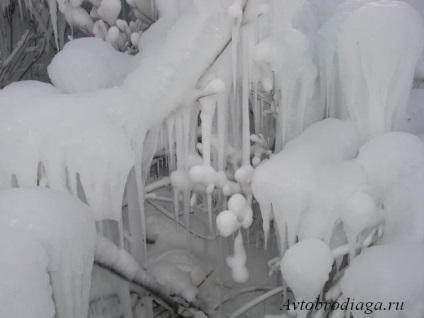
{"x": 387, "y": 273}
{"x": 89, "y": 64}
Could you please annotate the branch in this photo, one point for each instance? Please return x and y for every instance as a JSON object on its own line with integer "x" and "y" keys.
{"x": 170, "y": 216}
{"x": 121, "y": 263}
{"x": 256, "y": 301}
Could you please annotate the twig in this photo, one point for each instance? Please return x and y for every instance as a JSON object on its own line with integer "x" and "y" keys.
{"x": 164, "y": 182}
{"x": 170, "y": 216}
{"x": 256, "y": 301}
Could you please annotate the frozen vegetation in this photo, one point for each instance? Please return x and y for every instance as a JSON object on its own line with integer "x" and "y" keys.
{"x": 186, "y": 143}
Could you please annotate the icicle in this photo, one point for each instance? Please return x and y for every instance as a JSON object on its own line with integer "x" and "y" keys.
{"x": 207, "y": 110}
{"x": 245, "y": 103}
{"x": 53, "y": 17}
{"x": 237, "y": 263}
{"x": 222, "y": 130}
{"x": 170, "y": 123}
{"x": 266, "y": 212}
{"x": 235, "y": 11}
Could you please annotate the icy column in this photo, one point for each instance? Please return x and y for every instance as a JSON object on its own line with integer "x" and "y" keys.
{"x": 65, "y": 228}
{"x": 378, "y": 48}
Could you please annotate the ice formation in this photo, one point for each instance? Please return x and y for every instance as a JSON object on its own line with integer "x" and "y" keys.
{"x": 372, "y": 77}
{"x": 59, "y": 231}
{"x": 395, "y": 168}
{"x": 256, "y": 84}
{"x": 237, "y": 262}
{"x": 305, "y": 182}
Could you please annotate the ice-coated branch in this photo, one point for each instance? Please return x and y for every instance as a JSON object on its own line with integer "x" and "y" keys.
{"x": 256, "y": 301}
{"x": 108, "y": 256}
{"x": 169, "y": 215}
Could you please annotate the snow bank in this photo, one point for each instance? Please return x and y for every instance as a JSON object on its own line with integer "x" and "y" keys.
{"x": 64, "y": 228}
{"x": 89, "y": 64}
{"x": 388, "y": 273}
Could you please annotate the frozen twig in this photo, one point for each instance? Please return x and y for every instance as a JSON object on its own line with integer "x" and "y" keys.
{"x": 170, "y": 216}
{"x": 256, "y": 301}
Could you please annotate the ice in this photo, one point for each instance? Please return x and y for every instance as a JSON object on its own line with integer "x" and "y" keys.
{"x": 237, "y": 262}
{"x": 77, "y": 17}
{"x": 62, "y": 229}
{"x": 4, "y": 4}
{"x": 413, "y": 120}
{"x": 294, "y": 71}
{"x": 387, "y": 273}
{"x": 78, "y": 130}
{"x": 177, "y": 269}
{"x": 89, "y": 64}
{"x": 25, "y": 290}
{"x": 359, "y": 213}
{"x": 109, "y": 10}
{"x": 375, "y": 84}
{"x": 308, "y": 179}
{"x": 394, "y": 165}
{"x": 237, "y": 204}
{"x": 306, "y": 267}
{"x": 227, "y": 223}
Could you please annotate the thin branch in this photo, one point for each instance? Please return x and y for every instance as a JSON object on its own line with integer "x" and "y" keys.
{"x": 170, "y": 216}
{"x": 256, "y": 301}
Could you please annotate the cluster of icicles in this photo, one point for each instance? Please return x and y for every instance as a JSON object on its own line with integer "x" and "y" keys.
{"x": 89, "y": 143}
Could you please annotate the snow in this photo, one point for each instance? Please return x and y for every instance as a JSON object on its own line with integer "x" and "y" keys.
{"x": 305, "y": 268}
{"x": 333, "y": 181}
{"x": 89, "y": 64}
{"x": 62, "y": 237}
{"x": 387, "y": 273}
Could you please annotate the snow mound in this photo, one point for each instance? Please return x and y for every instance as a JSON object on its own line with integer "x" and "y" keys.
{"x": 89, "y": 64}
{"x": 388, "y": 273}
